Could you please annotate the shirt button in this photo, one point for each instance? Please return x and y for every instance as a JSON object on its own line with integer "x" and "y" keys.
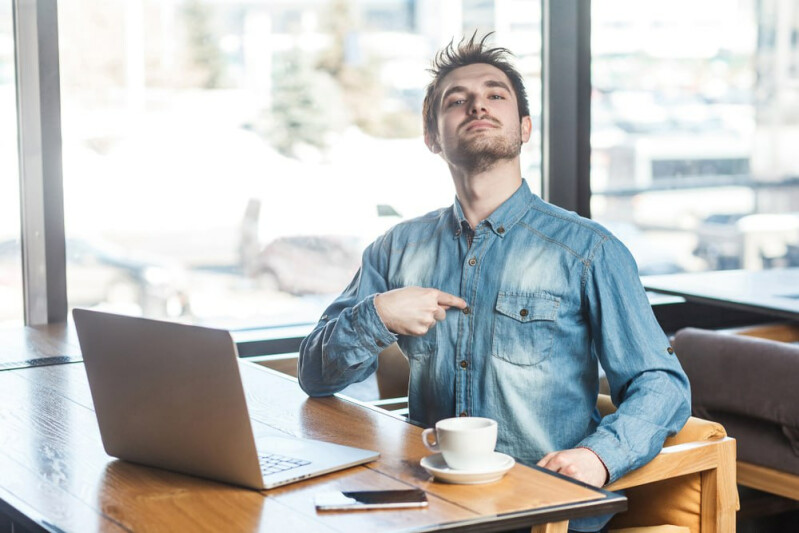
{"x": 501, "y": 230}
{"x": 464, "y": 364}
{"x": 524, "y": 312}
{"x": 464, "y": 413}
{"x": 472, "y": 261}
{"x": 467, "y": 310}
{"x": 670, "y": 349}
{"x": 380, "y": 344}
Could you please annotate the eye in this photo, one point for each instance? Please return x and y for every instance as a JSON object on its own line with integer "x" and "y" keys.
{"x": 496, "y": 97}
{"x": 453, "y": 103}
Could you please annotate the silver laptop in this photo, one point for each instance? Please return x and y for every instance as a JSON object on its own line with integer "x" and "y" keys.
{"x": 170, "y": 395}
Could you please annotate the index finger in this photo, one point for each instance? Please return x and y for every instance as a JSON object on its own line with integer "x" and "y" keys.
{"x": 545, "y": 459}
{"x": 445, "y": 298}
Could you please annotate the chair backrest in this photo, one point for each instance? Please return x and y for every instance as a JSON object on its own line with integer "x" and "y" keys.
{"x": 748, "y": 385}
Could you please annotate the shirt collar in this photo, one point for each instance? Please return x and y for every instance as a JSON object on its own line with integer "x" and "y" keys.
{"x": 459, "y": 221}
{"x": 503, "y": 218}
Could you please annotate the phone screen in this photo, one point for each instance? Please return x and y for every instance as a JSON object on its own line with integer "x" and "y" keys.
{"x": 370, "y": 499}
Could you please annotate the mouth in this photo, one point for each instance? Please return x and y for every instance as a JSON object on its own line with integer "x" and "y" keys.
{"x": 480, "y": 124}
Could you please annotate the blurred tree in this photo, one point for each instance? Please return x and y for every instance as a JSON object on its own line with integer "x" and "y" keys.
{"x": 203, "y": 48}
{"x": 357, "y": 73}
{"x": 316, "y": 96}
{"x": 306, "y": 106}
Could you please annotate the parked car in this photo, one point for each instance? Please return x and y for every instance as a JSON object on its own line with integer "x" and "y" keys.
{"x": 100, "y": 273}
{"x": 749, "y": 241}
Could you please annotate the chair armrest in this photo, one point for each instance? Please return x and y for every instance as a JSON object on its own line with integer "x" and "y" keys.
{"x": 783, "y": 332}
{"x": 678, "y": 460}
{"x": 769, "y": 480}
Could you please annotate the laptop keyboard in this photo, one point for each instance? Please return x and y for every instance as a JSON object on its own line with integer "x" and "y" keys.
{"x": 271, "y": 463}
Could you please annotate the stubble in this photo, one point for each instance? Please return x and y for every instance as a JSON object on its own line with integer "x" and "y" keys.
{"x": 480, "y": 152}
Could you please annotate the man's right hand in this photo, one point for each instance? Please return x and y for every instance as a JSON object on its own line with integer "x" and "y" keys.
{"x": 414, "y": 310}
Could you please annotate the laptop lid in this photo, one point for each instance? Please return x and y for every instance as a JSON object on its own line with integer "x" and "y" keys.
{"x": 170, "y": 395}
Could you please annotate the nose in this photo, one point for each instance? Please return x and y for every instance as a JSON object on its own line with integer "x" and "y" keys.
{"x": 478, "y": 105}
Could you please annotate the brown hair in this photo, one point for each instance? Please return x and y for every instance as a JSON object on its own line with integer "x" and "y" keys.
{"x": 469, "y": 52}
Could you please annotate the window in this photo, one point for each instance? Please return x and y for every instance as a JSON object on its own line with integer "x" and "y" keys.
{"x": 10, "y": 256}
{"x": 226, "y": 162}
{"x": 694, "y": 127}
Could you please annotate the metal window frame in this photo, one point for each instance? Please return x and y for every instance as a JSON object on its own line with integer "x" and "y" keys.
{"x": 565, "y": 141}
{"x": 39, "y": 139}
{"x": 566, "y": 106}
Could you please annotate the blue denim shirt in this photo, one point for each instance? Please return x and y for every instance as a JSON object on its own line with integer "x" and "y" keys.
{"x": 549, "y": 294}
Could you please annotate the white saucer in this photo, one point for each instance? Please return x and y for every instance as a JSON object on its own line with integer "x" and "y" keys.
{"x": 494, "y": 470}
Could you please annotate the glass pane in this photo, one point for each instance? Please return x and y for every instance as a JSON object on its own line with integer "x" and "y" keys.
{"x": 11, "y": 311}
{"x": 695, "y": 121}
{"x": 226, "y": 162}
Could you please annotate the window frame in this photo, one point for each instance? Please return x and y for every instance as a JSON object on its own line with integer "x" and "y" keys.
{"x": 44, "y": 283}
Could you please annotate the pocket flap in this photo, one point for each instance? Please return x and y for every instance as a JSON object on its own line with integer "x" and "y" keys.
{"x": 527, "y": 307}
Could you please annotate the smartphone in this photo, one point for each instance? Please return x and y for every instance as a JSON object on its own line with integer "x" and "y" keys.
{"x": 370, "y": 499}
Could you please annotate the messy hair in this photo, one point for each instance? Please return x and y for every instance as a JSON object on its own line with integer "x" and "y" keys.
{"x": 469, "y": 52}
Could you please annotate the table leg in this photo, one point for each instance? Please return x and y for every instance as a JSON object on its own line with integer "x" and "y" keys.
{"x": 553, "y": 527}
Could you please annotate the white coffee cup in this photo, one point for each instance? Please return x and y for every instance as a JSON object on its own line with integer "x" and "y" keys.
{"x": 467, "y": 443}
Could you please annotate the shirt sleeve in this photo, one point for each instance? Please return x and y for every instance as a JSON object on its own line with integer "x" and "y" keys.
{"x": 343, "y": 347}
{"x": 646, "y": 380}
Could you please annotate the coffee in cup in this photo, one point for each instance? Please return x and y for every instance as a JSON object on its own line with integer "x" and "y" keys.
{"x": 466, "y": 443}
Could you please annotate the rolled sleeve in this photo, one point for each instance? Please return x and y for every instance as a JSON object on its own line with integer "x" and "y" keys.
{"x": 373, "y": 331}
{"x": 615, "y": 459}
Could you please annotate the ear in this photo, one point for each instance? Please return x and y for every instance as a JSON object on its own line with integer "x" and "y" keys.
{"x": 432, "y": 143}
{"x": 527, "y": 127}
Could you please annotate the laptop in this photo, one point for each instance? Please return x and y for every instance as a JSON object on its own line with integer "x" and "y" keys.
{"x": 170, "y": 395}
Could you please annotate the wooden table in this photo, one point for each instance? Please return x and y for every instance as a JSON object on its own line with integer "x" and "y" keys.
{"x": 771, "y": 292}
{"x": 55, "y": 476}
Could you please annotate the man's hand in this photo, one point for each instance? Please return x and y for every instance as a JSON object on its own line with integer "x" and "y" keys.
{"x": 580, "y": 463}
{"x": 414, "y": 310}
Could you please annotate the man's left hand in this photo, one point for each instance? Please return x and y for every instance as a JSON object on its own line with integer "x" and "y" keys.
{"x": 580, "y": 463}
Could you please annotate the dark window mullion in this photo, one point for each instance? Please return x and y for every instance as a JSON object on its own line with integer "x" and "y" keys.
{"x": 566, "y": 106}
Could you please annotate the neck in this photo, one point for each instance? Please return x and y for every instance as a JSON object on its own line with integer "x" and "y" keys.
{"x": 480, "y": 193}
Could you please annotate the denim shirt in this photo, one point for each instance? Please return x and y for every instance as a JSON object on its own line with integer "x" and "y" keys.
{"x": 549, "y": 295}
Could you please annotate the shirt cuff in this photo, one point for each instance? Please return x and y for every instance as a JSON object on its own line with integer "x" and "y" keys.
{"x": 609, "y": 452}
{"x": 374, "y": 334}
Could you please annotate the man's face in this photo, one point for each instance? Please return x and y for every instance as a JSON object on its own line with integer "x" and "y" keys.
{"x": 478, "y": 118}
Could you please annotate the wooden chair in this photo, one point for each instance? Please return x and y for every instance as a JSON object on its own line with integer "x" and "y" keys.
{"x": 690, "y": 484}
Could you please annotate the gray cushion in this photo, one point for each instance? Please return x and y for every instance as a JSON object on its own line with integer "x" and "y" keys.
{"x": 749, "y": 385}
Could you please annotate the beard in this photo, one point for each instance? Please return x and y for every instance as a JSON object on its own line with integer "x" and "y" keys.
{"x": 479, "y": 153}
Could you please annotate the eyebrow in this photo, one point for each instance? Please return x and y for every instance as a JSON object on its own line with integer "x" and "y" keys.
{"x": 462, "y": 89}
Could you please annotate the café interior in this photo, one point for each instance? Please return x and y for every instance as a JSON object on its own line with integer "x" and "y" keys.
{"x": 673, "y": 125}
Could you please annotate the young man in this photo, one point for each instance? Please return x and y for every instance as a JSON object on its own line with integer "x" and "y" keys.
{"x": 503, "y": 303}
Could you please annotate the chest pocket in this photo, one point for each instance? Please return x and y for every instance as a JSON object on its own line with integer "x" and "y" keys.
{"x": 524, "y": 327}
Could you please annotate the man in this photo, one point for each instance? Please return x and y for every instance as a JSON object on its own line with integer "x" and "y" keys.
{"x": 503, "y": 303}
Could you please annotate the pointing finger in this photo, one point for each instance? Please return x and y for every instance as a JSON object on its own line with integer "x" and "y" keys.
{"x": 445, "y": 298}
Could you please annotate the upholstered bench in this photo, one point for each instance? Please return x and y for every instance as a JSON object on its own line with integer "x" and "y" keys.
{"x": 749, "y": 385}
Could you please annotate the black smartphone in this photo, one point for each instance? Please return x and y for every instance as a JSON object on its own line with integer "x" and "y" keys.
{"x": 370, "y": 499}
